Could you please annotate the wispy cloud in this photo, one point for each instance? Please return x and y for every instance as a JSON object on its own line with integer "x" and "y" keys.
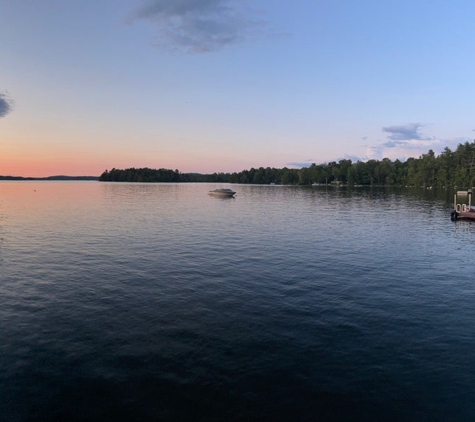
{"x": 310, "y": 161}
{"x": 403, "y": 141}
{"x": 5, "y": 104}
{"x": 199, "y": 26}
{"x": 404, "y": 132}
{"x": 299, "y": 164}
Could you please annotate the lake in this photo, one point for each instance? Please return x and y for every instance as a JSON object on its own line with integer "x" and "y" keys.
{"x": 158, "y": 302}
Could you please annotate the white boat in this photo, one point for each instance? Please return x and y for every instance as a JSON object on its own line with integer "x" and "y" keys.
{"x": 224, "y": 193}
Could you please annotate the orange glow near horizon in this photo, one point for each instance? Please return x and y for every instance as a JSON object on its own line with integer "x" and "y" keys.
{"x": 68, "y": 147}
{"x": 44, "y": 162}
{"x": 34, "y": 163}
{"x": 28, "y": 166}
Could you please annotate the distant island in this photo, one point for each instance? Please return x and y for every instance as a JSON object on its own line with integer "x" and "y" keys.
{"x": 450, "y": 168}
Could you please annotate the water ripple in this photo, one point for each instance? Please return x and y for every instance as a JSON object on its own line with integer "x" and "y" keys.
{"x": 158, "y": 302}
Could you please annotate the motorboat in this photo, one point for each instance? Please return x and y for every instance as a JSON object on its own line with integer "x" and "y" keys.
{"x": 223, "y": 193}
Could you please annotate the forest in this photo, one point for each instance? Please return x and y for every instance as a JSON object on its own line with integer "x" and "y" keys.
{"x": 448, "y": 169}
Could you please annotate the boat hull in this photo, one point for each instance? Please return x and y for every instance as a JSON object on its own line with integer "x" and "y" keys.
{"x": 462, "y": 215}
{"x": 222, "y": 193}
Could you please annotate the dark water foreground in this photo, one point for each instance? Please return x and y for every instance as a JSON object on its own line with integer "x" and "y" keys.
{"x": 158, "y": 302}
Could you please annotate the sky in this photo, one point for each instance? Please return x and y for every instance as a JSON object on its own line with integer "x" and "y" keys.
{"x": 225, "y": 85}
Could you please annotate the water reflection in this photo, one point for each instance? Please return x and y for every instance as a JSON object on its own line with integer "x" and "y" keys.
{"x": 121, "y": 291}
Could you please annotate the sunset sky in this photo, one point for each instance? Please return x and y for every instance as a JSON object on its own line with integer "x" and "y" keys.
{"x": 226, "y": 85}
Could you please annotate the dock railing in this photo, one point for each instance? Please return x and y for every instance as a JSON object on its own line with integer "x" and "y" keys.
{"x": 463, "y": 207}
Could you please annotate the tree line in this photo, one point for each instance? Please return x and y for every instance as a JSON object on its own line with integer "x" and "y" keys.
{"x": 448, "y": 169}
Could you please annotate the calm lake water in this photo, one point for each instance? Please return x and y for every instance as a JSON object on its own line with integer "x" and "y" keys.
{"x": 158, "y": 302}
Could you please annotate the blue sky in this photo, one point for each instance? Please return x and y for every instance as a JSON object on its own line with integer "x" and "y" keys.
{"x": 226, "y": 85}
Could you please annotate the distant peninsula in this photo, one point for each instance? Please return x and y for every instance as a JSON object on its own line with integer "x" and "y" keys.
{"x": 448, "y": 169}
